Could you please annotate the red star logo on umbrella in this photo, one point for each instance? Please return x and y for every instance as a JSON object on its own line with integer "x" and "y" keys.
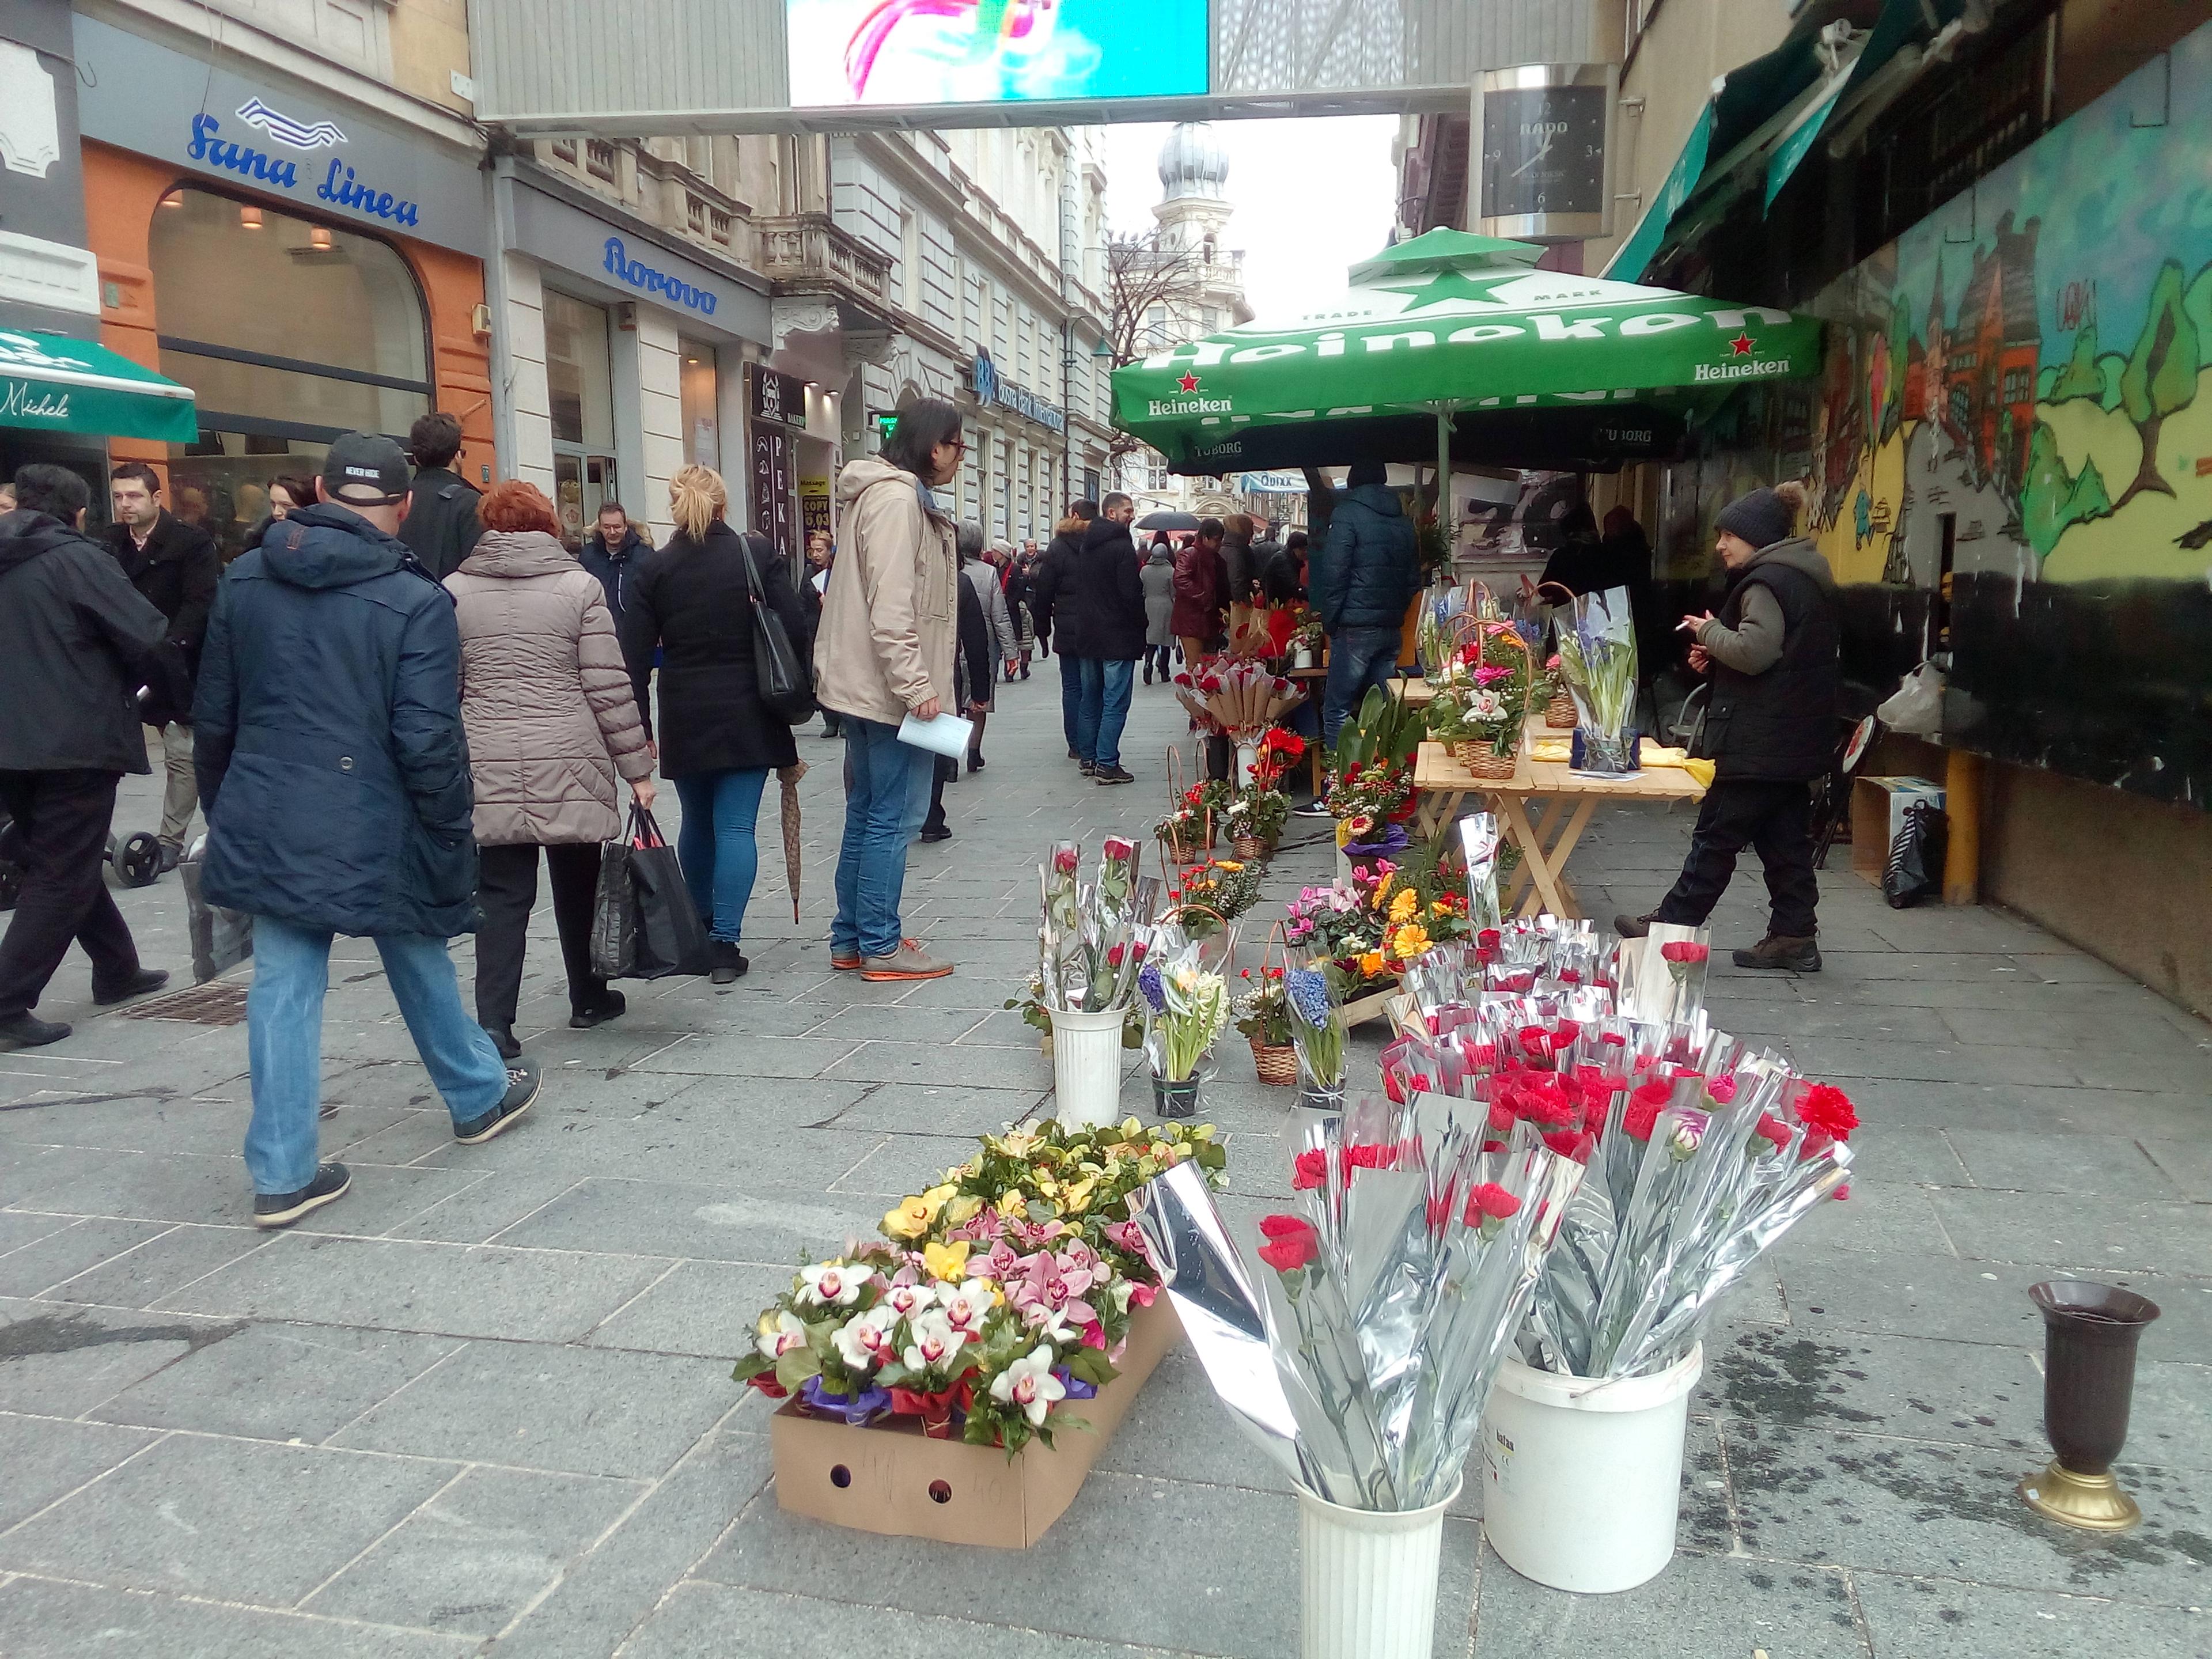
{"x": 1189, "y": 381}
{"x": 1742, "y": 344}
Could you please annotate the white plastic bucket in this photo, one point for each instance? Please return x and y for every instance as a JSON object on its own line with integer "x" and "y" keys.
{"x": 1247, "y": 757}
{"x": 1582, "y": 1482}
{"x": 1086, "y": 1067}
{"x": 1368, "y": 1579}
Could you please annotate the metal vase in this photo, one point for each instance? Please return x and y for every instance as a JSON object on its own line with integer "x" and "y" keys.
{"x": 2090, "y": 1335}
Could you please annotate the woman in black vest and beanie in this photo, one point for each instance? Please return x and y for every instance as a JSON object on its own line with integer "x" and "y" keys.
{"x": 1769, "y": 728}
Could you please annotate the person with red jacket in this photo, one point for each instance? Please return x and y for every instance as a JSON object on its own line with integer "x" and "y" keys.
{"x": 1198, "y": 600}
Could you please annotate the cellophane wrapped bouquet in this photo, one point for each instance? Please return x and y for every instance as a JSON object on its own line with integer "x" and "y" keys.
{"x": 1092, "y": 938}
{"x": 996, "y": 1301}
{"x": 1701, "y": 1151}
{"x": 1189, "y": 1004}
{"x": 1236, "y": 697}
{"x": 1598, "y": 657}
{"x": 1356, "y": 1335}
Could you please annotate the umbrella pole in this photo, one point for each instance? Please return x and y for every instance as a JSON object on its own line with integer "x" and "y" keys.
{"x": 1443, "y": 467}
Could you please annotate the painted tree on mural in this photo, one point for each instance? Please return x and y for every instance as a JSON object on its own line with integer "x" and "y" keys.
{"x": 2051, "y": 500}
{"x": 2084, "y": 375}
{"x": 2160, "y": 378}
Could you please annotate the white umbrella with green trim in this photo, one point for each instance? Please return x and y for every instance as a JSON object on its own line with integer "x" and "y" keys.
{"x": 1461, "y": 332}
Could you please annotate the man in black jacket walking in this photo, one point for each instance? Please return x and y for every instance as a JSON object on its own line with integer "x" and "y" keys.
{"x": 441, "y": 526}
{"x": 175, "y": 567}
{"x": 1052, "y": 586}
{"x": 75, "y": 644}
{"x": 1105, "y": 603}
{"x": 1770, "y": 729}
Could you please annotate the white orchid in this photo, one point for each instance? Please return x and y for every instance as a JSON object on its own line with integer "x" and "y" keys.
{"x": 908, "y": 1300}
{"x": 1050, "y": 1324}
{"x": 865, "y": 1342}
{"x": 1029, "y": 1385}
{"x": 932, "y": 1342}
{"x": 966, "y": 1307}
{"x": 779, "y": 1336}
{"x": 832, "y": 1283}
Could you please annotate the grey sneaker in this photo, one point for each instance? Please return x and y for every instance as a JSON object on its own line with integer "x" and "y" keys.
{"x": 522, "y": 1089}
{"x": 909, "y": 961}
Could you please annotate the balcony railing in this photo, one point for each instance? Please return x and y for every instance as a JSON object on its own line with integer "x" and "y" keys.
{"x": 806, "y": 251}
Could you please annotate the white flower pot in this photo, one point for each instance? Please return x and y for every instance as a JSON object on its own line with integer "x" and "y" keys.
{"x": 1369, "y": 1578}
{"x": 1247, "y": 757}
{"x": 1582, "y": 1485}
{"x": 1302, "y": 657}
{"x": 1086, "y": 1067}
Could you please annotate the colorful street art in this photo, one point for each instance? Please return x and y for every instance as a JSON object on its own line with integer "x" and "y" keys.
{"x": 2029, "y": 369}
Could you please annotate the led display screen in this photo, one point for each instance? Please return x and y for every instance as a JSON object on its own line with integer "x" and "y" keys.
{"x": 908, "y": 53}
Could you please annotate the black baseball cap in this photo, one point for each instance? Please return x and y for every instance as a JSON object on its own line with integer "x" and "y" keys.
{"x": 366, "y": 469}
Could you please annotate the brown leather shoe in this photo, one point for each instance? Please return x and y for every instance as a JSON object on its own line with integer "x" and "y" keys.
{"x": 1635, "y": 926}
{"x": 1796, "y": 956}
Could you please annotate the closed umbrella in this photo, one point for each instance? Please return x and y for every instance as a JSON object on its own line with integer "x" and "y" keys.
{"x": 788, "y": 777}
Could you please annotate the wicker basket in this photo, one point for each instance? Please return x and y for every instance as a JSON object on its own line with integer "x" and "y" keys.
{"x": 1250, "y": 848}
{"x": 1278, "y": 1067}
{"x": 1560, "y": 714}
{"x": 1181, "y": 848}
{"x": 1480, "y": 760}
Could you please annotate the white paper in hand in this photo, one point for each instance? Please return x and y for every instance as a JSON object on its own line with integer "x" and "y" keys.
{"x": 947, "y": 735}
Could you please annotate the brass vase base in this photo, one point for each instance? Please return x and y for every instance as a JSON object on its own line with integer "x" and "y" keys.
{"x": 2094, "y": 1501}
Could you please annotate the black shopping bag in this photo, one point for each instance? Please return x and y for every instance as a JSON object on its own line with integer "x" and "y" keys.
{"x": 221, "y": 939}
{"x": 614, "y": 915}
{"x": 671, "y": 937}
{"x": 1915, "y": 869}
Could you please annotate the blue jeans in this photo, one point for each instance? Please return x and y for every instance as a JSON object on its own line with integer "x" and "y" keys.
{"x": 716, "y": 846}
{"x": 886, "y": 795}
{"x": 1105, "y": 710}
{"x": 1070, "y": 698}
{"x": 284, "y": 1041}
{"x": 1357, "y": 657}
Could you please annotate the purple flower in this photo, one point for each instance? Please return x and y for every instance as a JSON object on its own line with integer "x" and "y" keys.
{"x": 1148, "y": 981}
{"x": 855, "y": 1409}
{"x": 1308, "y": 994}
{"x": 1076, "y": 1387}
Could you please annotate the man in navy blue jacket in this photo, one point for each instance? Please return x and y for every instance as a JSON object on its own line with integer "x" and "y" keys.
{"x": 1361, "y": 580}
{"x": 336, "y": 779}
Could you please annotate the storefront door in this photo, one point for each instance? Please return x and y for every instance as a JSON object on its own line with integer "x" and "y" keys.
{"x": 580, "y": 380}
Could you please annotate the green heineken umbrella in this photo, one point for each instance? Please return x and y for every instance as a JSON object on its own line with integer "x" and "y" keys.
{"x": 52, "y": 383}
{"x": 1453, "y": 334}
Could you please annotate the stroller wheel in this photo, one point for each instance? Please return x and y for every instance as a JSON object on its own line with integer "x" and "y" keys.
{"x": 137, "y": 860}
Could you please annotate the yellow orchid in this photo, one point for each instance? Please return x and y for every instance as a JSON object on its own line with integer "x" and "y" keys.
{"x": 961, "y": 1211}
{"x": 948, "y": 1263}
{"x": 936, "y": 1197}
{"x": 1011, "y": 1203}
{"x": 1078, "y": 1197}
{"x": 910, "y": 1219}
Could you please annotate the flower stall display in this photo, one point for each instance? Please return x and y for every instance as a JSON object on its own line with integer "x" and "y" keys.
{"x": 1356, "y": 1335}
{"x": 1480, "y": 724}
{"x": 1263, "y": 1017}
{"x": 1259, "y": 808}
{"x": 1188, "y": 831}
{"x": 1006, "y": 1306}
{"x": 1597, "y": 655}
{"x": 1236, "y": 697}
{"x": 1091, "y": 943}
{"x": 1370, "y": 927}
{"x": 1371, "y": 792}
{"x": 1189, "y": 1005}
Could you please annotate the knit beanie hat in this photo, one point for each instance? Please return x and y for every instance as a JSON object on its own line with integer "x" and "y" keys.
{"x": 1763, "y": 517}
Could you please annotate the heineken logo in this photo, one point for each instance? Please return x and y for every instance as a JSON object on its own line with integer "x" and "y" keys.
{"x": 1742, "y": 345}
{"x": 1189, "y": 406}
{"x": 1189, "y": 381}
{"x": 1756, "y": 369}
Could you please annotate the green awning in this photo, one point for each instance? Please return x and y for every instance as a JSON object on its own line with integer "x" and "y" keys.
{"x": 52, "y": 383}
{"x": 1463, "y": 331}
{"x": 1633, "y": 256}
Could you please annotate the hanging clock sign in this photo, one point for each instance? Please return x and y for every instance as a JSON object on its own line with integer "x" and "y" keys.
{"x": 1544, "y": 131}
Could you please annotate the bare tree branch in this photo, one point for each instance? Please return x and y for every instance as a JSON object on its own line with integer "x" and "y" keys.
{"x": 1142, "y": 275}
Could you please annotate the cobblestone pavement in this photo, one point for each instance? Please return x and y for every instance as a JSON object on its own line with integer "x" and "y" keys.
{"x": 483, "y": 1403}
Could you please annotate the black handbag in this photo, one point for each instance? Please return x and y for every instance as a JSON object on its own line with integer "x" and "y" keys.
{"x": 786, "y": 686}
{"x": 646, "y": 927}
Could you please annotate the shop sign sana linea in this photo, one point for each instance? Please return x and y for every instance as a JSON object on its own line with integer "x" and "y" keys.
{"x": 338, "y": 184}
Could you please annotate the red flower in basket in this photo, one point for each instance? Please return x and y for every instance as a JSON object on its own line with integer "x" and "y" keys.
{"x": 1291, "y": 1242}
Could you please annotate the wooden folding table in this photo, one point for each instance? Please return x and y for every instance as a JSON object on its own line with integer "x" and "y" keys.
{"x": 1543, "y": 808}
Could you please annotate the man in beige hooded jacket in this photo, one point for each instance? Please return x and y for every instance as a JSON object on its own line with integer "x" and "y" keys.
{"x": 884, "y": 651}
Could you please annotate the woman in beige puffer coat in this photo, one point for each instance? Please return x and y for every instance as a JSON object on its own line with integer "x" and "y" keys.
{"x": 546, "y": 702}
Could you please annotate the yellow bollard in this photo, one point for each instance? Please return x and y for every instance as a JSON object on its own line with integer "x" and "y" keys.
{"x": 1962, "y": 807}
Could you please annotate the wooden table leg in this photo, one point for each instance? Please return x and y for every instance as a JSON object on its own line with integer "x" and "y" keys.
{"x": 1520, "y": 883}
{"x": 1439, "y": 807}
{"x": 1514, "y": 810}
{"x": 1563, "y": 849}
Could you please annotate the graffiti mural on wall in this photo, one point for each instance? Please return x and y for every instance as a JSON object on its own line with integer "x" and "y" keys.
{"x": 2032, "y": 363}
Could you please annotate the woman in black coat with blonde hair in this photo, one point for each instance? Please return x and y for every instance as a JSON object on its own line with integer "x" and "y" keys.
{"x": 717, "y": 740}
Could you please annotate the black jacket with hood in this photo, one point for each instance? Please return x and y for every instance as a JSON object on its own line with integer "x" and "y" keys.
{"x": 441, "y": 526}
{"x": 1051, "y": 582}
{"x": 1102, "y": 611}
{"x": 76, "y": 642}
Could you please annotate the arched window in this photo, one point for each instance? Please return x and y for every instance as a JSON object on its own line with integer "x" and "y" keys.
{"x": 288, "y": 332}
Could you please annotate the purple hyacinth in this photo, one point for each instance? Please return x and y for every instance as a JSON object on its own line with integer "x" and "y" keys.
{"x": 1308, "y": 988}
{"x": 1154, "y": 990}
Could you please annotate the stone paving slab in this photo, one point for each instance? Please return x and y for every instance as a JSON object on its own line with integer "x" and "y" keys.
{"x": 488, "y": 1393}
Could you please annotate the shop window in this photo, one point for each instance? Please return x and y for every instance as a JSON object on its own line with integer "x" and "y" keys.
{"x": 699, "y": 394}
{"x": 288, "y": 332}
{"x": 579, "y": 383}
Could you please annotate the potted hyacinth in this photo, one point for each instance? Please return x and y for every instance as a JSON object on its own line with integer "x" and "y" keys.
{"x": 1190, "y": 1005}
{"x": 1317, "y": 1032}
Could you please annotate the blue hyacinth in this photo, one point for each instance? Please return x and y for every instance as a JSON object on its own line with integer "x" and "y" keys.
{"x": 1308, "y": 988}
{"x": 1154, "y": 990}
